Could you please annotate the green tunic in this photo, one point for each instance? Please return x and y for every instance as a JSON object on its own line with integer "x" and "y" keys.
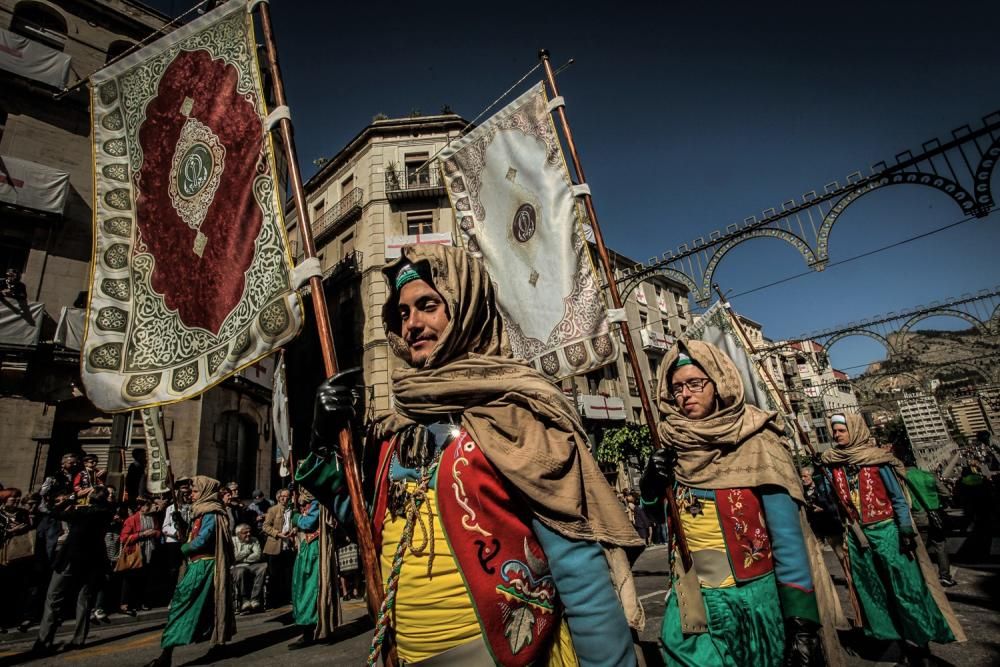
{"x": 305, "y": 584}
{"x": 745, "y": 627}
{"x": 891, "y": 589}
{"x": 191, "y": 608}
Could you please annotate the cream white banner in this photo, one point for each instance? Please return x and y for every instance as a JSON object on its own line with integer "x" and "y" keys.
{"x": 511, "y": 192}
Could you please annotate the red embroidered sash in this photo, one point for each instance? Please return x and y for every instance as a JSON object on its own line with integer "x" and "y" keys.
{"x": 745, "y": 532}
{"x": 872, "y": 494}
{"x": 502, "y": 564}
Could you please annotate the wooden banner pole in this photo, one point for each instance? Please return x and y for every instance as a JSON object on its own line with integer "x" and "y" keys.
{"x": 373, "y": 573}
{"x": 616, "y": 299}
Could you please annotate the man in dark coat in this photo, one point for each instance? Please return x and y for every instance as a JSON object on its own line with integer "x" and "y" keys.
{"x": 75, "y": 564}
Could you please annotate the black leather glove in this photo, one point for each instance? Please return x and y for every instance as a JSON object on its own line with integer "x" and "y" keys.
{"x": 802, "y": 645}
{"x": 658, "y": 473}
{"x": 907, "y": 543}
{"x": 334, "y": 407}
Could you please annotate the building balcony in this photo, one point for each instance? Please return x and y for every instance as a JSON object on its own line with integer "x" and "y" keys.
{"x": 344, "y": 210}
{"x": 402, "y": 184}
{"x": 633, "y": 387}
{"x": 347, "y": 267}
{"x": 654, "y": 340}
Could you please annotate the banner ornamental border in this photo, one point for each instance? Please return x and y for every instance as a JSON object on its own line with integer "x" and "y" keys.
{"x": 250, "y": 332}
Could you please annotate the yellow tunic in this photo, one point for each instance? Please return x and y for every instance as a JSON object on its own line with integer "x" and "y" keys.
{"x": 435, "y": 613}
{"x": 704, "y": 532}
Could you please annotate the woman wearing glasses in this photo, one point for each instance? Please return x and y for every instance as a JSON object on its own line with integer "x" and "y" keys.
{"x": 739, "y": 498}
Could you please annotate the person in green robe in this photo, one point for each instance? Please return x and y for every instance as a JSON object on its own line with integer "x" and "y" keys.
{"x": 202, "y": 605}
{"x": 305, "y": 574}
{"x": 901, "y": 598}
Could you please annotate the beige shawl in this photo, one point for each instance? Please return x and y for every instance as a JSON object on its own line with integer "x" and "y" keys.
{"x": 224, "y": 618}
{"x": 861, "y": 450}
{"x": 524, "y": 424}
{"x": 738, "y": 445}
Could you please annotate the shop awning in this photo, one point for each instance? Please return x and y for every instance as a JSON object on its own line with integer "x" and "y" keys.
{"x": 20, "y": 322}
{"x": 33, "y": 60}
{"x": 69, "y": 331}
{"x": 31, "y": 185}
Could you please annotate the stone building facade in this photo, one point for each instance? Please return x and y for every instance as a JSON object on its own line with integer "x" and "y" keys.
{"x": 383, "y": 190}
{"x": 46, "y": 189}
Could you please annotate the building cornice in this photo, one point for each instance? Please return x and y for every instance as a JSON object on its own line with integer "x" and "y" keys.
{"x": 389, "y": 126}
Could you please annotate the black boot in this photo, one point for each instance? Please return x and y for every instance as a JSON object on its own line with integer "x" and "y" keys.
{"x": 917, "y": 656}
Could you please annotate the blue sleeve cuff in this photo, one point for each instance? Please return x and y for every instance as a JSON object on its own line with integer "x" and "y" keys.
{"x": 597, "y": 624}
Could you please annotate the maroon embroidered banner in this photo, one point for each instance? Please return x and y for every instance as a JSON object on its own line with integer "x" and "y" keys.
{"x": 190, "y": 276}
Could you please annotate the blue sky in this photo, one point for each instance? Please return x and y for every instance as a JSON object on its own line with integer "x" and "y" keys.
{"x": 692, "y": 116}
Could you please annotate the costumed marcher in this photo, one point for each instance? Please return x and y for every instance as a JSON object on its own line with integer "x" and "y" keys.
{"x": 899, "y": 592}
{"x": 765, "y": 594}
{"x": 202, "y": 605}
{"x": 926, "y": 491}
{"x": 496, "y": 531}
{"x": 314, "y": 574}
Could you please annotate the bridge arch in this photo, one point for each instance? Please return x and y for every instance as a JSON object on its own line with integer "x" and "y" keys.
{"x": 858, "y": 332}
{"x": 983, "y": 175}
{"x": 943, "y": 312}
{"x": 794, "y": 240}
{"x": 958, "y": 194}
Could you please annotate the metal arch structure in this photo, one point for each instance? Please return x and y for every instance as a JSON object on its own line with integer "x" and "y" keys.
{"x": 969, "y": 307}
{"x": 958, "y": 194}
{"x": 705, "y": 293}
{"x": 994, "y": 322}
{"x": 858, "y": 332}
{"x": 945, "y": 312}
{"x": 961, "y": 167}
{"x": 667, "y": 272}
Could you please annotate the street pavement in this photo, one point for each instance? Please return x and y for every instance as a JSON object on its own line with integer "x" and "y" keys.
{"x": 262, "y": 638}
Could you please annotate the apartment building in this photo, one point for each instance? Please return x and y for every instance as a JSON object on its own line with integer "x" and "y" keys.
{"x": 926, "y": 430}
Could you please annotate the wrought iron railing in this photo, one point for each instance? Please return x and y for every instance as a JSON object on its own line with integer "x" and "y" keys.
{"x": 350, "y": 264}
{"x": 349, "y": 203}
{"x": 403, "y": 180}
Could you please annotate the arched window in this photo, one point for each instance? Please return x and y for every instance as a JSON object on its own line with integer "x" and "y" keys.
{"x": 39, "y": 23}
{"x": 117, "y": 48}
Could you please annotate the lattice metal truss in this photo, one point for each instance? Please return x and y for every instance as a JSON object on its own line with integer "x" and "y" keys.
{"x": 961, "y": 168}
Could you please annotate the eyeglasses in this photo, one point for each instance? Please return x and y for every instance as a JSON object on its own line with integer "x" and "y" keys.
{"x": 695, "y": 386}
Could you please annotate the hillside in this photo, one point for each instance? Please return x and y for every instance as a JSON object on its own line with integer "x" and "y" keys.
{"x": 953, "y": 358}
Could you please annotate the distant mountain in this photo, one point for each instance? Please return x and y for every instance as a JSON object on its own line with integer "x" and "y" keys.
{"x": 935, "y": 359}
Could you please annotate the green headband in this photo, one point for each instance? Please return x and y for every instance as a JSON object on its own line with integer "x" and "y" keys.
{"x": 683, "y": 360}
{"x": 407, "y": 274}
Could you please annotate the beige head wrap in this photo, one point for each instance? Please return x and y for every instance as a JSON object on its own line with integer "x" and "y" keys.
{"x": 738, "y": 445}
{"x": 861, "y": 449}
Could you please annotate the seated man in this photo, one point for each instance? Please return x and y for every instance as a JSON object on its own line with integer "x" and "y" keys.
{"x": 247, "y": 564}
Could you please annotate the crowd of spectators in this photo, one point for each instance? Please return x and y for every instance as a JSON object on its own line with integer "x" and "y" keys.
{"x": 80, "y": 540}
